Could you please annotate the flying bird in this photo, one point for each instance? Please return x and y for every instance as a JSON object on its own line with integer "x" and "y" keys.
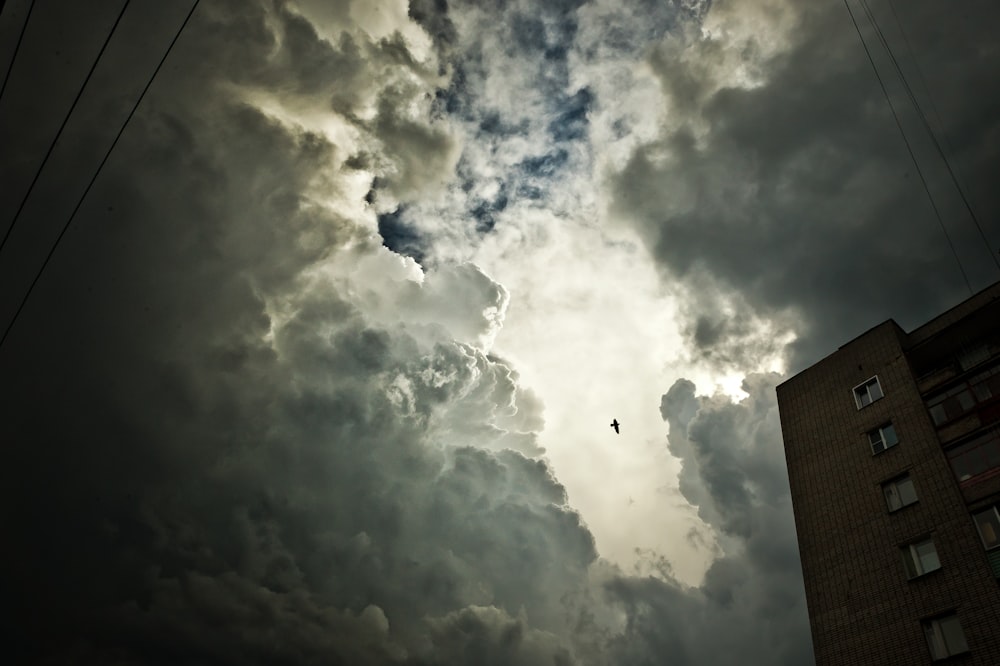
{"x": 614, "y": 424}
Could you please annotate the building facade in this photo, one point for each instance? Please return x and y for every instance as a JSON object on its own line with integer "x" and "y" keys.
{"x": 893, "y": 452}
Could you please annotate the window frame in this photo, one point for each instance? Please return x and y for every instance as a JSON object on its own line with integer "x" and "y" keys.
{"x": 995, "y": 509}
{"x": 939, "y": 640}
{"x": 914, "y": 566}
{"x": 979, "y": 453}
{"x": 881, "y": 430}
{"x": 894, "y": 483}
{"x": 949, "y": 404}
{"x": 873, "y": 380}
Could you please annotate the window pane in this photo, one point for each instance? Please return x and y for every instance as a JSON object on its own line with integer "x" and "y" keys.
{"x": 863, "y": 398}
{"x": 965, "y": 400}
{"x": 954, "y": 638}
{"x": 875, "y": 390}
{"x": 908, "y": 562}
{"x": 927, "y": 556}
{"x": 889, "y": 435}
{"x": 969, "y": 358}
{"x": 989, "y": 527}
{"x": 953, "y": 408}
{"x": 982, "y": 391}
{"x": 963, "y": 466}
{"x": 892, "y": 497}
{"x": 991, "y": 453}
{"x": 938, "y": 414}
{"x": 935, "y": 641}
{"x": 907, "y": 493}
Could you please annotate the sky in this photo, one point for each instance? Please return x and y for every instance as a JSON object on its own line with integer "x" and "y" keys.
{"x": 323, "y": 368}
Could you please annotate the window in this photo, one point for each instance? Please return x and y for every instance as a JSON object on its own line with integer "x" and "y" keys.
{"x": 970, "y": 357}
{"x": 976, "y": 456}
{"x": 961, "y": 398}
{"x": 920, "y": 558}
{"x": 867, "y": 393}
{"x": 899, "y": 492}
{"x": 951, "y": 404}
{"x": 944, "y": 636}
{"x": 988, "y": 524}
{"x": 882, "y": 437}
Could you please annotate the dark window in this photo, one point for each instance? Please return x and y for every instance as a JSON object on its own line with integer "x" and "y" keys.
{"x": 899, "y": 492}
{"x": 988, "y": 524}
{"x": 867, "y": 393}
{"x": 882, "y": 437}
{"x": 945, "y": 636}
{"x": 961, "y": 398}
{"x": 920, "y": 558}
{"x": 976, "y": 456}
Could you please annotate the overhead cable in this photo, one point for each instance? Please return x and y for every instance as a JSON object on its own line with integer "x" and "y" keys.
{"x": 909, "y": 148}
{"x": 97, "y": 172}
{"x": 17, "y": 47}
{"x": 923, "y": 118}
{"x": 55, "y": 139}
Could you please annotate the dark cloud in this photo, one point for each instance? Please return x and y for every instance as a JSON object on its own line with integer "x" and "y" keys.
{"x": 432, "y": 16}
{"x": 487, "y": 635}
{"x": 750, "y": 608}
{"x": 797, "y": 194}
{"x": 238, "y": 432}
{"x": 571, "y": 124}
{"x": 218, "y": 454}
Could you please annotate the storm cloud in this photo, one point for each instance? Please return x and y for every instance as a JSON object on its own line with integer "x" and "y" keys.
{"x": 781, "y": 178}
{"x": 319, "y": 372}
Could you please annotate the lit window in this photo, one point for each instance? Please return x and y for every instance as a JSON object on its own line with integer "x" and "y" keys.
{"x": 920, "y": 558}
{"x": 867, "y": 393}
{"x": 882, "y": 438}
{"x": 899, "y": 492}
{"x": 988, "y": 524}
{"x": 944, "y": 636}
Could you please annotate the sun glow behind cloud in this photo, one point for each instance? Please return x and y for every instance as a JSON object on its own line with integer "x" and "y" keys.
{"x": 589, "y": 326}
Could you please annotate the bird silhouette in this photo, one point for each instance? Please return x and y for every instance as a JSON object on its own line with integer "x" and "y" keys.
{"x": 615, "y": 424}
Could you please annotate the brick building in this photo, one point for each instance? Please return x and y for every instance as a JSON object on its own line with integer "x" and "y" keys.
{"x": 893, "y": 451}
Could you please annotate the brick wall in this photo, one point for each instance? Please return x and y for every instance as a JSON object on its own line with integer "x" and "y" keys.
{"x": 862, "y": 607}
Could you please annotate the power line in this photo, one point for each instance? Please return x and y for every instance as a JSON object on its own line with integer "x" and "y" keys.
{"x": 909, "y": 148}
{"x": 920, "y": 76}
{"x": 55, "y": 139}
{"x": 928, "y": 128}
{"x": 97, "y": 172}
{"x": 17, "y": 47}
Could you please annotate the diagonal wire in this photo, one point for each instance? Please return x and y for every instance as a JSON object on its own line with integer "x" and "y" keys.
{"x": 909, "y": 149}
{"x": 55, "y": 139}
{"x": 920, "y": 76}
{"x": 97, "y": 172}
{"x": 17, "y": 47}
{"x": 923, "y": 118}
